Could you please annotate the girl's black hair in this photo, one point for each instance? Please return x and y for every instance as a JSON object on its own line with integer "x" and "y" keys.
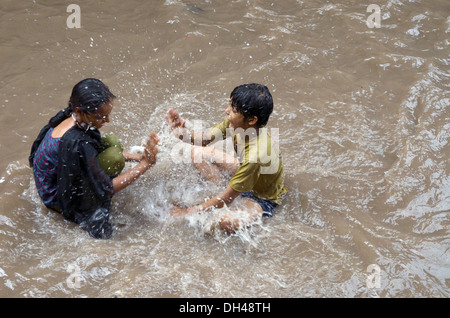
{"x": 89, "y": 96}
{"x": 253, "y": 100}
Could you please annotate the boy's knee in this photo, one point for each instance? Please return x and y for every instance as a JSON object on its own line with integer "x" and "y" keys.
{"x": 229, "y": 224}
{"x": 197, "y": 154}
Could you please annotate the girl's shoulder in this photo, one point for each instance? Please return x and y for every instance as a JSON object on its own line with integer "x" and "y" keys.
{"x": 76, "y": 137}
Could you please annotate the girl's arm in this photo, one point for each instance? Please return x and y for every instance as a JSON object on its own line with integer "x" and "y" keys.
{"x": 148, "y": 159}
{"x": 132, "y": 156}
{"x": 125, "y": 179}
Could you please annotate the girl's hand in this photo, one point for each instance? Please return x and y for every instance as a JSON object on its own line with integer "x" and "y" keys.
{"x": 151, "y": 149}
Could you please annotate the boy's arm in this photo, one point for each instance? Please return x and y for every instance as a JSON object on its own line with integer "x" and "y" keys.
{"x": 225, "y": 198}
{"x": 177, "y": 124}
{"x": 199, "y": 139}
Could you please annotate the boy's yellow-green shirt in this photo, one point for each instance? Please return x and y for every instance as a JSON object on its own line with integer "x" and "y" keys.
{"x": 261, "y": 166}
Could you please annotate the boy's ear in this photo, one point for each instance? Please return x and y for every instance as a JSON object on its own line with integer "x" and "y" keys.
{"x": 253, "y": 120}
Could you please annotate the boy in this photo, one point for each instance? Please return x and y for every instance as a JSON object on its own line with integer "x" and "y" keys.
{"x": 258, "y": 175}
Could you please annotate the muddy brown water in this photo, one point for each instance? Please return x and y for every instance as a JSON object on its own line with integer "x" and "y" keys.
{"x": 363, "y": 119}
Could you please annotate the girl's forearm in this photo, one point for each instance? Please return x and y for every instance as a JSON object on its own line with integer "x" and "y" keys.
{"x": 125, "y": 179}
{"x": 132, "y": 156}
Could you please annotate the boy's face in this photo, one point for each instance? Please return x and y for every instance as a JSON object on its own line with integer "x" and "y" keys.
{"x": 237, "y": 119}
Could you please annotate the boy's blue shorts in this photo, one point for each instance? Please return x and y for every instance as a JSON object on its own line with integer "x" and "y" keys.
{"x": 267, "y": 206}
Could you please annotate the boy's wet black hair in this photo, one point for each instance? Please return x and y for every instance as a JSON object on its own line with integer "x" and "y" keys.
{"x": 253, "y": 100}
{"x": 89, "y": 95}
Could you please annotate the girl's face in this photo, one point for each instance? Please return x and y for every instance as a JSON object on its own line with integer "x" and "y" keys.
{"x": 99, "y": 118}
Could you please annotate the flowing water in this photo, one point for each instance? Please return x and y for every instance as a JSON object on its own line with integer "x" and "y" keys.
{"x": 364, "y": 126}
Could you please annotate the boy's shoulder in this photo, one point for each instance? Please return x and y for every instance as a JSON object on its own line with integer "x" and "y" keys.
{"x": 262, "y": 150}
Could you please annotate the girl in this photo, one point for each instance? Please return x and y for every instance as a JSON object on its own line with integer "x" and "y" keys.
{"x": 70, "y": 163}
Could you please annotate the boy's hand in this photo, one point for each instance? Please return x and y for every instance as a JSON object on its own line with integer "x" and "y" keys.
{"x": 179, "y": 212}
{"x": 174, "y": 120}
{"x": 151, "y": 148}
